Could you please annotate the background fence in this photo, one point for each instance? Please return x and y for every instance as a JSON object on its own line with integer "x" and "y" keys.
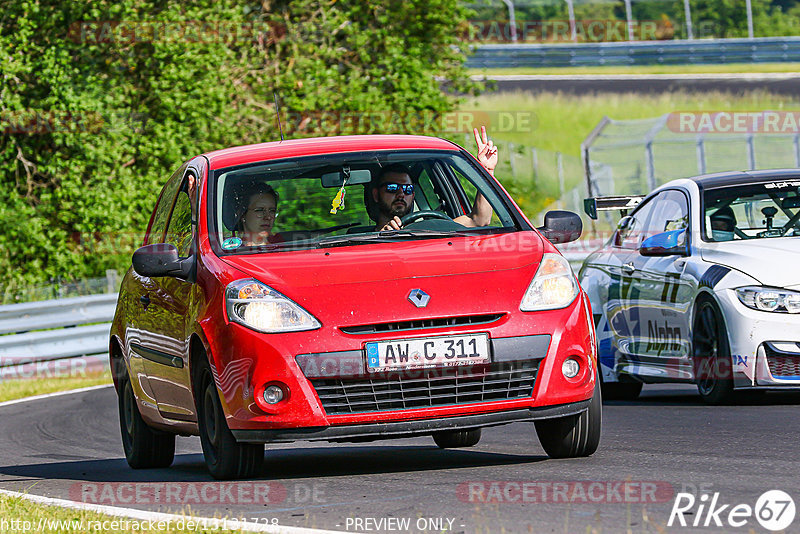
{"x": 636, "y": 156}
{"x": 759, "y": 50}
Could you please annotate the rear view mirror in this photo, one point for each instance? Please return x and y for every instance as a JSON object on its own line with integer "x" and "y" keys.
{"x": 671, "y": 243}
{"x": 561, "y": 226}
{"x": 336, "y": 179}
{"x": 161, "y": 259}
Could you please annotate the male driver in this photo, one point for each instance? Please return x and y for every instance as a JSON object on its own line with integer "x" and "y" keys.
{"x": 723, "y": 222}
{"x": 393, "y": 192}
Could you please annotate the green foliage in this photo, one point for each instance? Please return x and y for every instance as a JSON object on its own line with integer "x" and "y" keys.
{"x": 94, "y": 120}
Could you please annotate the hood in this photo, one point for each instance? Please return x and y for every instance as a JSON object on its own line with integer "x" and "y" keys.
{"x": 369, "y": 283}
{"x": 773, "y": 262}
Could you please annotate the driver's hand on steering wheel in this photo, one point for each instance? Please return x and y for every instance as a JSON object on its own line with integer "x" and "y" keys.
{"x": 393, "y": 224}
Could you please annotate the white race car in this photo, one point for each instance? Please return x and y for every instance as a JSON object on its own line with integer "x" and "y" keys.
{"x": 701, "y": 283}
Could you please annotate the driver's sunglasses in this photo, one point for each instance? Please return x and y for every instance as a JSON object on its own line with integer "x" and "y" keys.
{"x": 390, "y": 187}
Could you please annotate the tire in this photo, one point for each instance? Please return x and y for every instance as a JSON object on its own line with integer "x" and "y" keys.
{"x": 144, "y": 447}
{"x": 456, "y": 439}
{"x": 711, "y": 354}
{"x": 621, "y": 390}
{"x": 573, "y": 436}
{"x": 225, "y": 458}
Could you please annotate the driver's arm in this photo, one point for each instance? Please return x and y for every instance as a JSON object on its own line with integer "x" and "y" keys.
{"x": 481, "y": 214}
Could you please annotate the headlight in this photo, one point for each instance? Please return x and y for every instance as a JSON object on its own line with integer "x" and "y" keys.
{"x": 258, "y": 306}
{"x": 553, "y": 287}
{"x": 769, "y": 299}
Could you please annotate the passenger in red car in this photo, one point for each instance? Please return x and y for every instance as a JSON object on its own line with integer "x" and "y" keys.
{"x": 258, "y": 217}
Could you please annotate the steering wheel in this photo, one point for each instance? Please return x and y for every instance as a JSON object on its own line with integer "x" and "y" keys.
{"x": 412, "y": 217}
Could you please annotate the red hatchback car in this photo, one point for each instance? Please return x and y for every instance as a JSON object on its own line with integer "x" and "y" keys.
{"x": 273, "y": 301}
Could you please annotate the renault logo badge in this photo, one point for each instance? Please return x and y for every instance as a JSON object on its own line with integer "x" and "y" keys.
{"x": 419, "y": 298}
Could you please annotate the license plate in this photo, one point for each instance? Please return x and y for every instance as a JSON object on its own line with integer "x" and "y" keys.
{"x": 445, "y": 351}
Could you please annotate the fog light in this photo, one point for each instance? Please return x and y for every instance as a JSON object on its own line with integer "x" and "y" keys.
{"x": 570, "y": 368}
{"x": 273, "y": 395}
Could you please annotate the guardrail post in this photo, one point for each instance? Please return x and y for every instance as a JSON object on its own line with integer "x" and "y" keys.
{"x": 511, "y": 160}
{"x": 751, "y": 153}
{"x": 687, "y": 10}
{"x": 560, "y": 167}
{"x": 796, "y": 150}
{"x": 571, "y": 12}
{"x": 701, "y": 156}
{"x": 629, "y": 16}
{"x": 651, "y": 166}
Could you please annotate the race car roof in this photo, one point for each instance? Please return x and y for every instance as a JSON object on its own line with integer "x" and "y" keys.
{"x": 726, "y": 179}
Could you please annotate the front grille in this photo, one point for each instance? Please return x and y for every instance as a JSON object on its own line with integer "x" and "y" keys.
{"x": 782, "y": 365}
{"x": 423, "y": 388}
{"x": 422, "y": 324}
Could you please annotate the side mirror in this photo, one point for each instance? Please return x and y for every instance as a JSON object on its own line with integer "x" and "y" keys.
{"x": 621, "y": 230}
{"x": 561, "y": 226}
{"x": 161, "y": 259}
{"x": 671, "y": 243}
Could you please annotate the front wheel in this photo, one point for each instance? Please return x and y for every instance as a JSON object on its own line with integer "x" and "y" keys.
{"x": 457, "y": 439}
{"x": 711, "y": 354}
{"x": 225, "y": 457}
{"x": 144, "y": 447}
{"x": 573, "y": 436}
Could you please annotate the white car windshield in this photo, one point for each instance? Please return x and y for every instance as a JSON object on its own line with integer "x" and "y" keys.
{"x": 752, "y": 211}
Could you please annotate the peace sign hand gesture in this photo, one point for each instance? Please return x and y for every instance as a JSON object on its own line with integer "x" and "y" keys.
{"x": 487, "y": 151}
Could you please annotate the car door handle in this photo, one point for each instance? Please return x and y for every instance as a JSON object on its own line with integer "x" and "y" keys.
{"x": 145, "y": 300}
{"x": 628, "y": 268}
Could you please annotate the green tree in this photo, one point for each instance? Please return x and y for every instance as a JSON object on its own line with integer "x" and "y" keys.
{"x": 97, "y": 114}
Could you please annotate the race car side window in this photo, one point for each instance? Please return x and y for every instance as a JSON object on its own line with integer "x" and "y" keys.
{"x": 631, "y": 230}
{"x": 670, "y": 212}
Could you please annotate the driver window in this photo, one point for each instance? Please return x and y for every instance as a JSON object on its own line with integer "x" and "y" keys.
{"x": 631, "y": 234}
{"x": 180, "y": 229}
{"x": 671, "y": 212}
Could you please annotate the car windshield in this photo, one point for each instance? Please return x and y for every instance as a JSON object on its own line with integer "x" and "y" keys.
{"x": 338, "y": 200}
{"x": 752, "y": 211}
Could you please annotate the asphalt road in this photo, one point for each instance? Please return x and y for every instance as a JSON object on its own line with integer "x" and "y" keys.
{"x": 666, "y": 442}
{"x": 785, "y": 84}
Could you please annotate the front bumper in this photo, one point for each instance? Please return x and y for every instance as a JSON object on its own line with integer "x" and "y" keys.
{"x": 765, "y": 346}
{"x": 404, "y": 429}
{"x": 301, "y": 362}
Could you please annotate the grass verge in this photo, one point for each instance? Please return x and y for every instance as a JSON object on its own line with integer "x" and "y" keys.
{"x": 728, "y": 68}
{"x": 21, "y": 515}
{"x": 559, "y": 122}
{"x": 27, "y": 387}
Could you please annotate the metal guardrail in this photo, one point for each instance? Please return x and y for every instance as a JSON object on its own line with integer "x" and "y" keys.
{"x": 55, "y": 329}
{"x": 759, "y": 50}
{"x": 42, "y": 332}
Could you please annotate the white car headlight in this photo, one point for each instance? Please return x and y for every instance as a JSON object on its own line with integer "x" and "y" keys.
{"x": 554, "y": 285}
{"x": 261, "y": 308}
{"x": 769, "y": 299}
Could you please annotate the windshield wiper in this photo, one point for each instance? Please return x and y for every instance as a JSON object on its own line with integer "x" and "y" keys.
{"x": 340, "y": 240}
{"x": 384, "y": 236}
{"x": 403, "y": 232}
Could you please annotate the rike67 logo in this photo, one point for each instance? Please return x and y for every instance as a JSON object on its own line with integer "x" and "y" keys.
{"x": 774, "y": 510}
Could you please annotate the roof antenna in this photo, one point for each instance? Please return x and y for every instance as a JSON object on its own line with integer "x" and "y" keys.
{"x": 278, "y": 113}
